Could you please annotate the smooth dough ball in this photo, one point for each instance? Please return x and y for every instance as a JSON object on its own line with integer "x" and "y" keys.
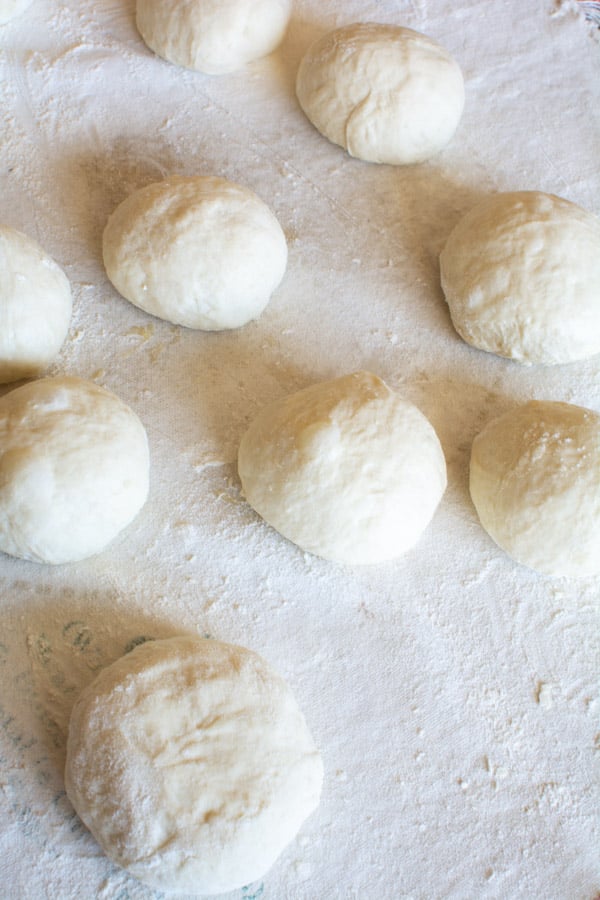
{"x": 35, "y": 306}
{"x": 535, "y": 482}
{"x": 73, "y": 469}
{"x": 191, "y": 764}
{"x": 521, "y": 275}
{"x": 10, "y": 9}
{"x": 212, "y": 36}
{"x": 346, "y": 469}
{"x": 386, "y": 94}
{"x": 200, "y": 252}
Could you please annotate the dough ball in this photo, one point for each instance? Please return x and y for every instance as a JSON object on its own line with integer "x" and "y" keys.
{"x": 521, "y": 274}
{"x": 386, "y": 94}
{"x": 191, "y": 764}
{"x": 200, "y": 252}
{"x": 35, "y": 306}
{"x": 345, "y": 469}
{"x": 10, "y": 9}
{"x": 212, "y": 36}
{"x": 535, "y": 482}
{"x": 73, "y": 469}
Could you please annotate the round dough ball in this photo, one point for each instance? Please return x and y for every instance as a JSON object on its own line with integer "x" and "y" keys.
{"x": 10, "y": 9}
{"x": 386, "y": 94}
{"x": 200, "y": 252}
{"x": 521, "y": 275}
{"x": 345, "y": 469}
{"x": 212, "y": 36}
{"x": 191, "y": 764}
{"x": 535, "y": 482}
{"x": 73, "y": 469}
{"x": 35, "y": 306}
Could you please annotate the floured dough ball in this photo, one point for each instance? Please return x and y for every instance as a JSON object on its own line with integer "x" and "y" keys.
{"x": 521, "y": 275}
{"x": 212, "y": 36}
{"x": 35, "y": 306}
{"x": 345, "y": 469}
{"x": 73, "y": 469}
{"x": 386, "y": 94}
{"x": 10, "y": 9}
{"x": 535, "y": 482}
{"x": 200, "y": 252}
{"x": 191, "y": 764}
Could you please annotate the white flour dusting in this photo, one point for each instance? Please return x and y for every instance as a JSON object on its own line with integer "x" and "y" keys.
{"x": 453, "y": 694}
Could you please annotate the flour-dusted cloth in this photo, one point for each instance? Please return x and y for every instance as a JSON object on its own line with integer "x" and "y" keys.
{"x": 452, "y": 693}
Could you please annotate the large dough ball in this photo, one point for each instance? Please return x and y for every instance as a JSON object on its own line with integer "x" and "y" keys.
{"x": 535, "y": 482}
{"x": 521, "y": 274}
{"x": 345, "y": 469}
{"x": 9, "y": 9}
{"x": 212, "y": 36}
{"x": 191, "y": 764}
{"x": 199, "y": 251}
{"x": 35, "y": 306}
{"x": 386, "y": 94}
{"x": 73, "y": 469}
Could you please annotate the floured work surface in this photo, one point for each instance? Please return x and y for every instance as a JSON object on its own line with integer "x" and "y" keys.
{"x": 452, "y": 693}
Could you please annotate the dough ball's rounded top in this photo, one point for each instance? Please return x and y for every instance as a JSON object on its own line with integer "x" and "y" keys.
{"x": 191, "y": 764}
{"x": 73, "y": 469}
{"x": 535, "y": 482}
{"x": 35, "y": 306}
{"x": 386, "y": 94}
{"x": 346, "y": 469}
{"x": 198, "y": 251}
{"x": 212, "y": 36}
{"x": 10, "y": 9}
{"x": 521, "y": 275}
